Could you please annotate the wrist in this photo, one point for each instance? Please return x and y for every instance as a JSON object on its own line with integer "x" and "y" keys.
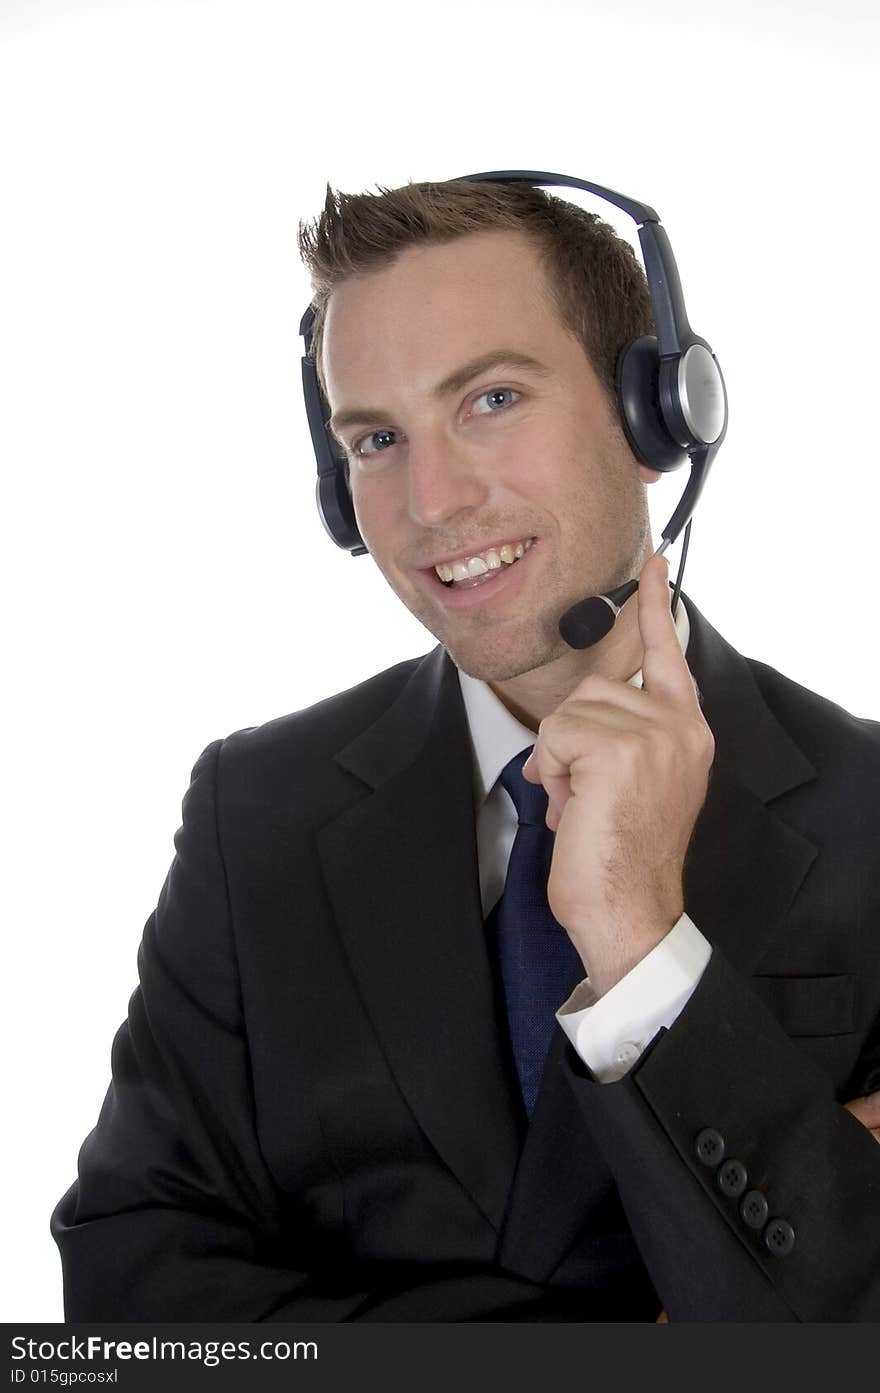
{"x": 613, "y": 948}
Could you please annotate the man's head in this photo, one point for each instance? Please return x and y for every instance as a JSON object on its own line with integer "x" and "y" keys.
{"x": 449, "y": 459}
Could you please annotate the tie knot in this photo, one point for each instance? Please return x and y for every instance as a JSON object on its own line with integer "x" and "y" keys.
{"x": 530, "y": 800}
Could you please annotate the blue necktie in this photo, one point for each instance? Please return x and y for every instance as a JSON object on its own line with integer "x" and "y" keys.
{"x": 535, "y": 955}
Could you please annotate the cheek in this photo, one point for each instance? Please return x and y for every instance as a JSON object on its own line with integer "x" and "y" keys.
{"x": 366, "y": 499}
{"x": 549, "y": 455}
{"x": 378, "y": 510}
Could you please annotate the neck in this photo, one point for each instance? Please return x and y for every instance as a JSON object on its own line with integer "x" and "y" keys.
{"x": 533, "y": 695}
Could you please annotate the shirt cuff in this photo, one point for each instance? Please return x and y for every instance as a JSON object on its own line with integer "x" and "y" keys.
{"x": 611, "y": 1032}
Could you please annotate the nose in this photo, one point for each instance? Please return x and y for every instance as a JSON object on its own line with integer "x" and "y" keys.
{"x": 444, "y": 478}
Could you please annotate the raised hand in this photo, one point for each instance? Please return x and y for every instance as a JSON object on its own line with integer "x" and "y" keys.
{"x": 626, "y": 772}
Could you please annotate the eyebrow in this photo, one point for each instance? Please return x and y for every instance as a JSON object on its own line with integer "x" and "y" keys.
{"x": 496, "y": 358}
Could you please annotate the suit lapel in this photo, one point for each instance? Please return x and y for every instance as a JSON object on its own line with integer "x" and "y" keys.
{"x": 401, "y": 870}
{"x": 745, "y": 864}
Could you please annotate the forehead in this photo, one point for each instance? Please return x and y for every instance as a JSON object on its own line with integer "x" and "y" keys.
{"x": 436, "y": 307}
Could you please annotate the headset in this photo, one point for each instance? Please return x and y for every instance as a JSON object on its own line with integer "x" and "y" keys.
{"x": 671, "y": 394}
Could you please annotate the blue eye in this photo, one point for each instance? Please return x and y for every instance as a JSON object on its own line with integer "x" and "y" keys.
{"x": 386, "y": 436}
{"x": 494, "y": 394}
{"x": 378, "y": 441}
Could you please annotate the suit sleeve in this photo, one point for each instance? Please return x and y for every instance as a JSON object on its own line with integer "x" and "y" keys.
{"x": 728, "y": 1068}
{"x": 173, "y": 1215}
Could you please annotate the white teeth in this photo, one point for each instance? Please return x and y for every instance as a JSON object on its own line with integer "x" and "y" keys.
{"x": 491, "y": 560}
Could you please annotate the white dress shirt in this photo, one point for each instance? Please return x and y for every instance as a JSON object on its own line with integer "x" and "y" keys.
{"x": 609, "y": 1033}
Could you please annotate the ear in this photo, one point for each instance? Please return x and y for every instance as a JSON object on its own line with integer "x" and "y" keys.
{"x": 648, "y": 476}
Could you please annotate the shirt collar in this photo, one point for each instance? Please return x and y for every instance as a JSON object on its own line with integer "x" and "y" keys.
{"x": 496, "y": 735}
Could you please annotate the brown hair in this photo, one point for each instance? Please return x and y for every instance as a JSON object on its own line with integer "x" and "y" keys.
{"x": 596, "y": 280}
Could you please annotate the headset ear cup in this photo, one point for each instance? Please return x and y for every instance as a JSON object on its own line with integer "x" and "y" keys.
{"x": 336, "y": 509}
{"x": 638, "y": 394}
{"x": 332, "y": 493}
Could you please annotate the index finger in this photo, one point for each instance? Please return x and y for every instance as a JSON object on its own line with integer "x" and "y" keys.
{"x": 664, "y": 670}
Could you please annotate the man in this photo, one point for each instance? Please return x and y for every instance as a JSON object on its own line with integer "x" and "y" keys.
{"x": 336, "y": 1096}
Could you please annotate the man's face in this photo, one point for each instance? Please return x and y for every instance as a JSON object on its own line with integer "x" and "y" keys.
{"x": 451, "y": 462}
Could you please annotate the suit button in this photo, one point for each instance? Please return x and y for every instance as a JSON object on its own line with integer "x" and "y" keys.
{"x": 732, "y": 1178}
{"x": 710, "y": 1147}
{"x": 754, "y": 1209}
{"x": 779, "y": 1238}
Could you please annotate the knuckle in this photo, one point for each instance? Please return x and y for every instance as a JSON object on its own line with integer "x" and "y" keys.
{"x": 699, "y": 737}
{"x": 707, "y": 741}
{"x": 592, "y": 687}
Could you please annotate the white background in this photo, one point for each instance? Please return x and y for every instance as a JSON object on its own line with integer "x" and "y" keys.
{"x": 165, "y": 577}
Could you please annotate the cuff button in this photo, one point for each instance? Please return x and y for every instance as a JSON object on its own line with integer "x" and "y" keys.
{"x": 628, "y": 1053}
{"x": 753, "y": 1209}
{"x": 710, "y": 1147}
{"x": 778, "y": 1238}
{"x": 732, "y": 1178}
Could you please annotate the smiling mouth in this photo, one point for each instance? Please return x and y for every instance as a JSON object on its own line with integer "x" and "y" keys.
{"x": 483, "y": 567}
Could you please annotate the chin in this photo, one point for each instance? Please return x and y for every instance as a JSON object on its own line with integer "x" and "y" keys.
{"x": 501, "y": 662}
{"x": 496, "y": 648}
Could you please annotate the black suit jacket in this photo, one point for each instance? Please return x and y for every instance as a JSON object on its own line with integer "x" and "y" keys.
{"x": 313, "y": 1114}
